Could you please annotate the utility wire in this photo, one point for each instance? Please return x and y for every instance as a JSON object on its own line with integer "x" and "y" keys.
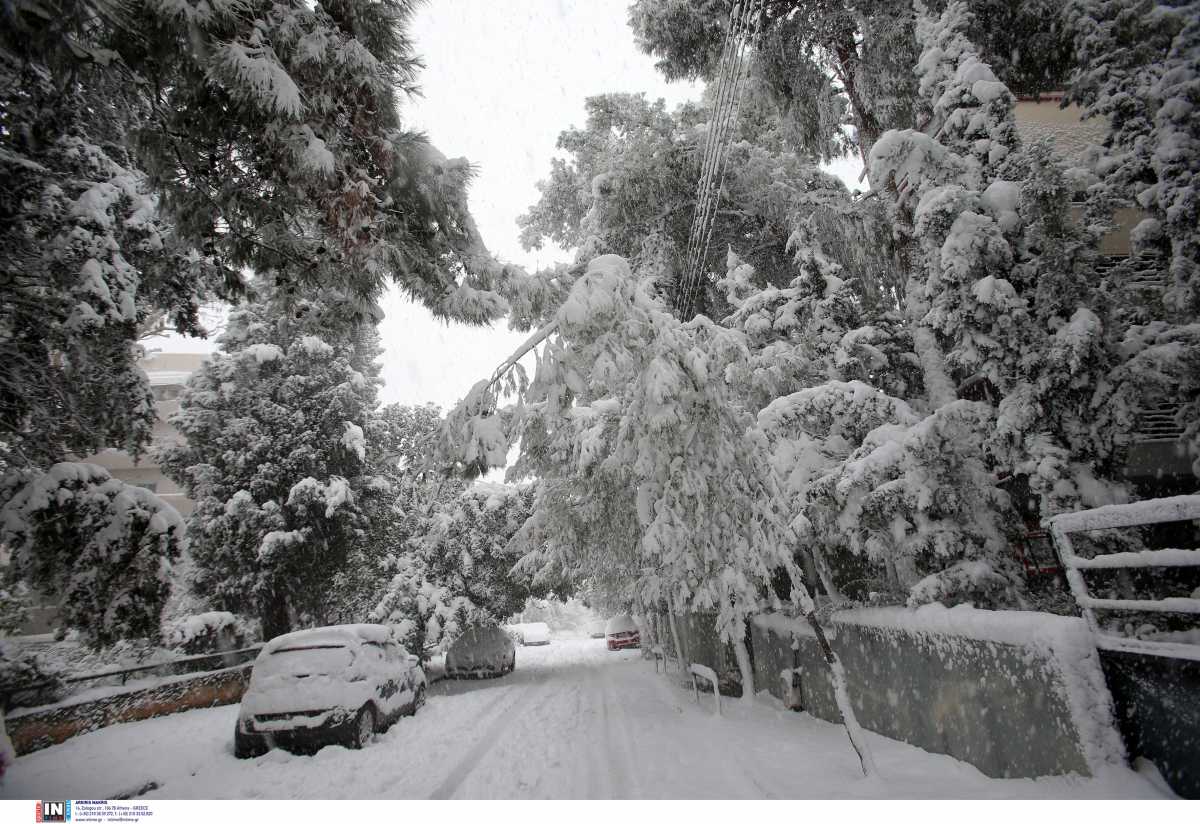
{"x": 745, "y": 28}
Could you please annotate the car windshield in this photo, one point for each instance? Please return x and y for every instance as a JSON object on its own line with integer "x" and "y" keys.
{"x": 312, "y": 659}
{"x": 482, "y": 640}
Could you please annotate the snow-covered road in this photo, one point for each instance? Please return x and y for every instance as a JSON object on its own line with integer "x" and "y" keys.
{"x": 573, "y": 721}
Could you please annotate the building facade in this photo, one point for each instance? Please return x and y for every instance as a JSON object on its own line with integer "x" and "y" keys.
{"x": 168, "y": 374}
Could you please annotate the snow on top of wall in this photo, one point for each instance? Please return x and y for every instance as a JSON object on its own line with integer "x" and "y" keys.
{"x": 781, "y": 624}
{"x": 964, "y": 621}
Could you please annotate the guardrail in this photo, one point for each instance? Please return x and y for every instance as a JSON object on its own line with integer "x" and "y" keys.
{"x": 701, "y": 671}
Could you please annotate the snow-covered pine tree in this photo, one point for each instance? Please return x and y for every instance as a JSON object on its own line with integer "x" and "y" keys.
{"x": 104, "y": 548}
{"x": 900, "y": 490}
{"x": 276, "y": 457}
{"x": 86, "y": 255}
{"x": 405, "y": 436}
{"x": 156, "y": 150}
{"x": 423, "y": 612}
{"x": 1059, "y": 413}
{"x": 966, "y": 108}
{"x": 456, "y": 570}
{"x": 467, "y": 545}
{"x": 277, "y": 141}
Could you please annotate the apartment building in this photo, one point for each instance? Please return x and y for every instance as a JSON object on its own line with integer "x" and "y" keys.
{"x": 168, "y": 374}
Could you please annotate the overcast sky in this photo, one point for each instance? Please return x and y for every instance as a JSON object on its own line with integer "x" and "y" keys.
{"x": 502, "y": 79}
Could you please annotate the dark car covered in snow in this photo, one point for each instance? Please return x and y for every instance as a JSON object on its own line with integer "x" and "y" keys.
{"x": 481, "y": 652}
{"x": 330, "y": 685}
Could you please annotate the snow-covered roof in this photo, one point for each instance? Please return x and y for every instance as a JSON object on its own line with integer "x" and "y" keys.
{"x": 620, "y": 623}
{"x": 341, "y": 634}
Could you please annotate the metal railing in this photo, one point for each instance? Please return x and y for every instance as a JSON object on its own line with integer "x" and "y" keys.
{"x": 1159, "y": 423}
{"x": 1144, "y": 513}
{"x": 701, "y": 671}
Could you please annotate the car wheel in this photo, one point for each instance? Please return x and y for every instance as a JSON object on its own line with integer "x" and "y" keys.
{"x": 246, "y": 747}
{"x": 419, "y": 700}
{"x": 364, "y": 727}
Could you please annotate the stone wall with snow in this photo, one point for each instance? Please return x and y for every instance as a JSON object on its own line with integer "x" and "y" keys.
{"x": 1015, "y": 694}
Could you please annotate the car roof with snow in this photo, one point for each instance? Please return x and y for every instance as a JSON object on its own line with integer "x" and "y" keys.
{"x": 344, "y": 634}
{"x": 620, "y": 623}
{"x": 478, "y": 639}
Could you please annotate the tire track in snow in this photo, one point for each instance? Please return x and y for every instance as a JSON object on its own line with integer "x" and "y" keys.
{"x": 490, "y": 738}
{"x": 629, "y": 750}
{"x": 615, "y": 768}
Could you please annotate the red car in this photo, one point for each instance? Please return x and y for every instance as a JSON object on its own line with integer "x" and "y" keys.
{"x": 622, "y": 633}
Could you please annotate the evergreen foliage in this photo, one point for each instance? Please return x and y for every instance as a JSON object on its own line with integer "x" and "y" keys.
{"x": 277, "y": 457}
{"x": 103, "y": 547}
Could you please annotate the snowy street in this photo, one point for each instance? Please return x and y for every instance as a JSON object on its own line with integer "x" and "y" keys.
{"x": 573, "y": 721}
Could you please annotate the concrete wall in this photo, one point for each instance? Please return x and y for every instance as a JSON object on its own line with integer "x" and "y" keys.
{"x": 1012, "y": 709}
{"x": 703, "y": 645}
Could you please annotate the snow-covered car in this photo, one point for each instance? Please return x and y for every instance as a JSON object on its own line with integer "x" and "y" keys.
{"x": 330, "y": 685}
{"x": 536, "y": 634}
{"x": 596, "y": 629}
{"x": 622, "y": 633}
{"x": 481, "y": 652}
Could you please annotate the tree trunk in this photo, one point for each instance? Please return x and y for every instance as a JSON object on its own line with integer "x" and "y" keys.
{"x": 841, "y": 693}
{"x": 679, "y": 655}
{"x": 744, "y": 664}
{"x": 823, "y": 573}
{"x": 866, "y": 126}
{"x": 939, "y": 390}
{"x": 273, "y": 613}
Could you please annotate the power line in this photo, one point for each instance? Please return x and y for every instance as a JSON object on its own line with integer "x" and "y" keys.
{"x": 745, "y": 26}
